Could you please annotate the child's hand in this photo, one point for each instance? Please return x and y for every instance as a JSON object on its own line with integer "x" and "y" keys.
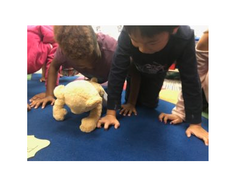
{"x": 128, "y": 109}
{"x": 175, "y": 119}
{"x": 37, "y": 96}
{"x": 36, "y": 103}
{"x": 107, "y": 121}
{"x": 198, "y": 131}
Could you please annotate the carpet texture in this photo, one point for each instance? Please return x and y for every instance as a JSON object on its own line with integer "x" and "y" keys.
{"x": 139, "y": 138}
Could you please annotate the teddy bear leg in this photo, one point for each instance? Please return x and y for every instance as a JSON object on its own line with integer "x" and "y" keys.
{"x": 90, "y": 123}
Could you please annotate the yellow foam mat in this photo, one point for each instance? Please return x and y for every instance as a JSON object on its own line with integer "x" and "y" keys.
{"x": 169, "y": 95}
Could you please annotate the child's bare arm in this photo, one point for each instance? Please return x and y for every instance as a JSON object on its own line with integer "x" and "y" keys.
{"x": 51, "y": 83}
{"x": 129, "y": 107}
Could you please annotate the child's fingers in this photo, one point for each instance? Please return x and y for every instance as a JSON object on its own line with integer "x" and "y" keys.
{"x": 116, "y": 126}
{"x": 52, "y": 103}
{"x": 205, "y": 139}
{"x": 135, "y": 112}
{"x": 99, "y": 124}
{"x": 121, "y": 111}
{"x": 176, "y": 121}
{"x": 44, "y": 104}
{"x": 188, "y": 133}
{"x": 161, "y": 116}
{"x": 130, "y": 112}
{"x": 106, "y": 125}
{"x": 165, "y": 119}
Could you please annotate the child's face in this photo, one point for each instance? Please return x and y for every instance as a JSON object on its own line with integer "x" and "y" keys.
{"x": 151, "y": 45}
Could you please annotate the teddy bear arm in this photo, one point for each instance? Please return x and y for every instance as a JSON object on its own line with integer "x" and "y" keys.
{"x": 58, "y": 111}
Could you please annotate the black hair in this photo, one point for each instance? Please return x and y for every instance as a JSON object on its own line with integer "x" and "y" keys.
{"x": 149, "y": 31}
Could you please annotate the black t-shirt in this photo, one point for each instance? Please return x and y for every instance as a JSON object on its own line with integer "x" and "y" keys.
{"x": 180, "y": 49}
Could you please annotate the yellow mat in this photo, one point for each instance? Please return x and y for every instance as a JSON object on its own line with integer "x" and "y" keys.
{"x": 169, "y": 95}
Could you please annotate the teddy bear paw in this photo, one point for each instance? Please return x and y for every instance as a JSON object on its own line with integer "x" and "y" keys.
{"x": 87, "y": 125}
{"x": 59, "y": 114}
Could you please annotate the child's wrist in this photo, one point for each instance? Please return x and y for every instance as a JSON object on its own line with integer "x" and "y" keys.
{"x": 111, "y": 113}
{"x": 132, "y": 103}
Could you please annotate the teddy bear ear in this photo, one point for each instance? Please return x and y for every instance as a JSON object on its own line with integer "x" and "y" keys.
{"x": 59, "y": 91}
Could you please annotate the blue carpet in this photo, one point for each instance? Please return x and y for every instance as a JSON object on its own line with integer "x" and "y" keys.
{"x": 140, "y": 138}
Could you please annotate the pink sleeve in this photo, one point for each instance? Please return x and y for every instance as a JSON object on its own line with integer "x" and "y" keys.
{"x": 202, "y": 63}
{"x": 202, "y": 60}
{"x": 37, "y": 51}
{"x": 179, "y": 108}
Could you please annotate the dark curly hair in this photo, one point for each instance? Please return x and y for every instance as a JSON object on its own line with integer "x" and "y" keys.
{"x": 149, "y": 31}
{"x": 76, "y": 42}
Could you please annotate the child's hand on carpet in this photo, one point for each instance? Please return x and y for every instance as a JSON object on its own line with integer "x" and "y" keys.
{"x": 37, "y": 96}
{"x": 198, "y": 131}
{"x": 37, "y": 102}
{"x": 107, "y": 121}
{"x": 175, "y": 119}
{"x": 128, "y": 109}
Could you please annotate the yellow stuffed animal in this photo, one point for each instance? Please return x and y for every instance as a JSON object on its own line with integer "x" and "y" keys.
{"x": 80, "y": 96}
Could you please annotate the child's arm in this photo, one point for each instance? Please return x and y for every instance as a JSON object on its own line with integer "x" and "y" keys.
{"x": 43, "y": 73}
{"x": 51, "y": 83}
{"x": 178, "y": 112}
{"x": 129, "y": 107}
{"x": 117, "y": 75}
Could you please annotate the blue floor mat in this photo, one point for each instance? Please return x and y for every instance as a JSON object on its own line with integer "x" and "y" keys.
{"x": 139, "y": 138}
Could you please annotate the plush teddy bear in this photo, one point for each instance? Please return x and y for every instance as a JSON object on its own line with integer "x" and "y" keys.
{"x": 80, "y": 96}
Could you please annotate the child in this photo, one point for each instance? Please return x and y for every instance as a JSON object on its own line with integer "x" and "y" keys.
{"x": 153, "y": 50}
{"x": 82, "y": 49}
{"x": 41, "y": 47}
{"x": 178, "y": 112}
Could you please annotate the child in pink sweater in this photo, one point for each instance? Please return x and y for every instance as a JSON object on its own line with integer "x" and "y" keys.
{"x": 178, "y": 112}
{"x": 41, "y": 48}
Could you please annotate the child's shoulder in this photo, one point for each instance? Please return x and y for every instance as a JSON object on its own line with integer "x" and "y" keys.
{"x": 106, "y": 42}
{"x": 184, "y": 32}
{"x": 105, "y": 37}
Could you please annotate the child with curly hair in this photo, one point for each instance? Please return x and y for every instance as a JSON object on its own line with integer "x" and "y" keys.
{"x": 82, "y": 49}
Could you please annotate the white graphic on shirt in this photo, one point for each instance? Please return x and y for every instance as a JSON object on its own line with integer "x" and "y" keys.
{"x": 153, "y": 68}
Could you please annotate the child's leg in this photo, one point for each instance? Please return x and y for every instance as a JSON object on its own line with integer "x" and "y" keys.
{"x": 149, "y": 90}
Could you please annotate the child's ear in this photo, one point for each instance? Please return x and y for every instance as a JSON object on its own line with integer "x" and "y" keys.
{"x": 175, "y": 30}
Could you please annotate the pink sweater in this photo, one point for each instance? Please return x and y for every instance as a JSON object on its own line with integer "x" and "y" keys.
{"x": 202, "y": 64}
{"x": 41, "y": 48}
